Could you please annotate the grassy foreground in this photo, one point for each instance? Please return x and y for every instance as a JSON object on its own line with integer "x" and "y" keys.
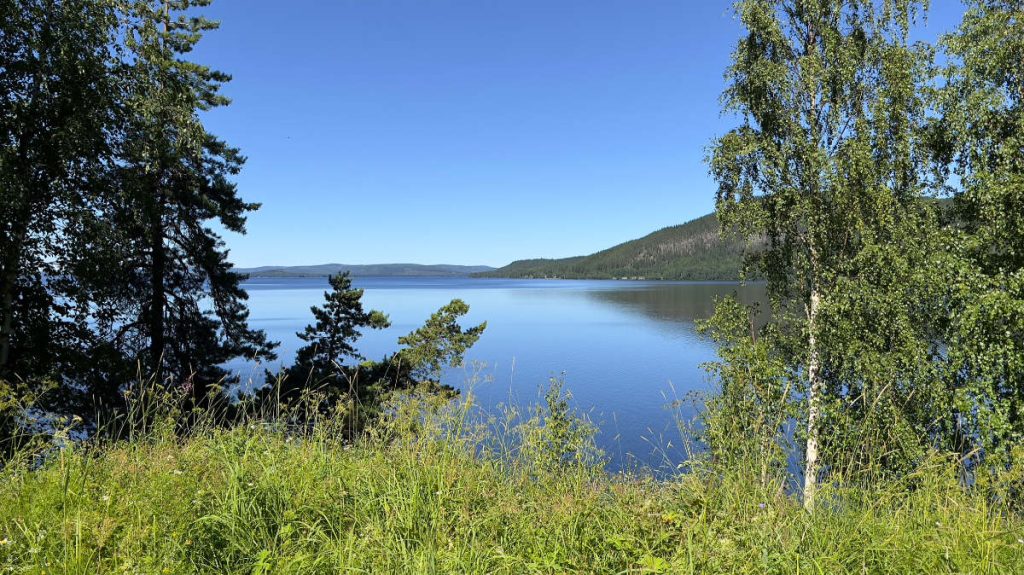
{"x": 439, "y": 495}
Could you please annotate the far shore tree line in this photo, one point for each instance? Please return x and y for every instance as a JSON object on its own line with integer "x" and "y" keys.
{"x": 111, "y": 273}
{"x": 880, "y": 180}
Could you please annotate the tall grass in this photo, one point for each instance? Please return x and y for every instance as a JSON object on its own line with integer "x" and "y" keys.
{"x": 437, "y": 487}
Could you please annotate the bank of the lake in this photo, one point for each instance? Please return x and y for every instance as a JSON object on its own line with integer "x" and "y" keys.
{"x": 256, "y": 501}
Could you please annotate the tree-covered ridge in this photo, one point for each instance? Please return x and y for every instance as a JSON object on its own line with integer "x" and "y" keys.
{"x": 691, "y": 251}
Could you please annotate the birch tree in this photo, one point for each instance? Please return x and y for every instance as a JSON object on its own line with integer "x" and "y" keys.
{"x": 825, "y": 167}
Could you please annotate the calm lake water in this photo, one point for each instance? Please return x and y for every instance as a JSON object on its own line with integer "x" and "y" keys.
{"x": 626, "y": 349}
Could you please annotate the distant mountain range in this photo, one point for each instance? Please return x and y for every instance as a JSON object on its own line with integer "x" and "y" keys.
{"x": 396, "y": 270}
{"x": 692, "y": 251}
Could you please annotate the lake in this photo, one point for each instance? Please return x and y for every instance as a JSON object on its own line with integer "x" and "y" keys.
{"x": 626, "y": 349}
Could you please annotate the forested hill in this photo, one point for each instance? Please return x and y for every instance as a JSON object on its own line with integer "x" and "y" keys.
{"x": 691, "y": 251}
{"x": 403, "y": 270}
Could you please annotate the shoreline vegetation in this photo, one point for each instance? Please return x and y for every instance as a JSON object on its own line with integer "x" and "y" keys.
{"x": 444, "y": 487}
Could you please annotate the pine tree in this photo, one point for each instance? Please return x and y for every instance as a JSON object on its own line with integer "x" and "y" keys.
{"x": 330, "y": 342}
{"x": 440, "y": 342}
{"x": 184, "y": 305}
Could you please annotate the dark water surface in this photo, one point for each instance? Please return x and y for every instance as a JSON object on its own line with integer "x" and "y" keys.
{"x": 626, "y": 348}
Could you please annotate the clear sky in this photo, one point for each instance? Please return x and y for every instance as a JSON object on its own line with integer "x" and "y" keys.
{"x": 470, "y": 131}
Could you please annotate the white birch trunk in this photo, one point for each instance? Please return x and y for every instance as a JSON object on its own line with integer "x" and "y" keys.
{"x": 813, "y": 405}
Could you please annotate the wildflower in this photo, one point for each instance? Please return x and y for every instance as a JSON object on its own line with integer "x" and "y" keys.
{"x": 5, "y": 541}
{"x": 177, "y": 472}
{"x": 761, "y": 506}
{"x": 105, "y": 499}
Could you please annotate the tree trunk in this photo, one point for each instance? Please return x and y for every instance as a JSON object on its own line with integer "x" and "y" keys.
{"x": 156, "y": 286}
{"x": 158, "y": 300}
{"x": 7, "y": 283}
{"x": 811, "y": 468}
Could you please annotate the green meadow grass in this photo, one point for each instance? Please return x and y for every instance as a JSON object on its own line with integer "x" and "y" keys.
{"x": 448, "y": 492}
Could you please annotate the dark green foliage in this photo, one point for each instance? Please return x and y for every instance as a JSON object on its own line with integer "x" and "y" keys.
{"x": 827, "y": 166}
{"x": 329, "y": 375}
{"x": 321, "y": 364}
{"x": 110, "y": 271}
{"x": 899, "y": 318}
{"x": 439, "y": 342}
{"x": 175, "y": 178}
{"x": 744, "y": 424}
{"x": 692, "y": 251}
{"x": 980, "y": 140}
{"x": 58, "y": 100}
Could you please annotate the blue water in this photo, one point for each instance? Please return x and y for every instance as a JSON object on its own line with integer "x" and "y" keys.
{"x": 626, "y": 349}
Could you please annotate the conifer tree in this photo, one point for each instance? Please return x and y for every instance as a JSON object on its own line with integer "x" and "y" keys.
{"x": 330, "y": 342}
{"x": 439, "y": 342}
{"x": 183, "y": 301}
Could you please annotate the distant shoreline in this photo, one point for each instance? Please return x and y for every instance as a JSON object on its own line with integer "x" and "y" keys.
{"x": 548, "y": 279}
{"x": 359, "y": 270}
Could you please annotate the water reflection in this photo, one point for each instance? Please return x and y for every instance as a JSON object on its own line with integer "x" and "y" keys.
{"x": 679, "y": 305}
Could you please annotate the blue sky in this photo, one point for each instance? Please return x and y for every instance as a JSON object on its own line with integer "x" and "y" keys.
{"x": 470, "y": 131}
